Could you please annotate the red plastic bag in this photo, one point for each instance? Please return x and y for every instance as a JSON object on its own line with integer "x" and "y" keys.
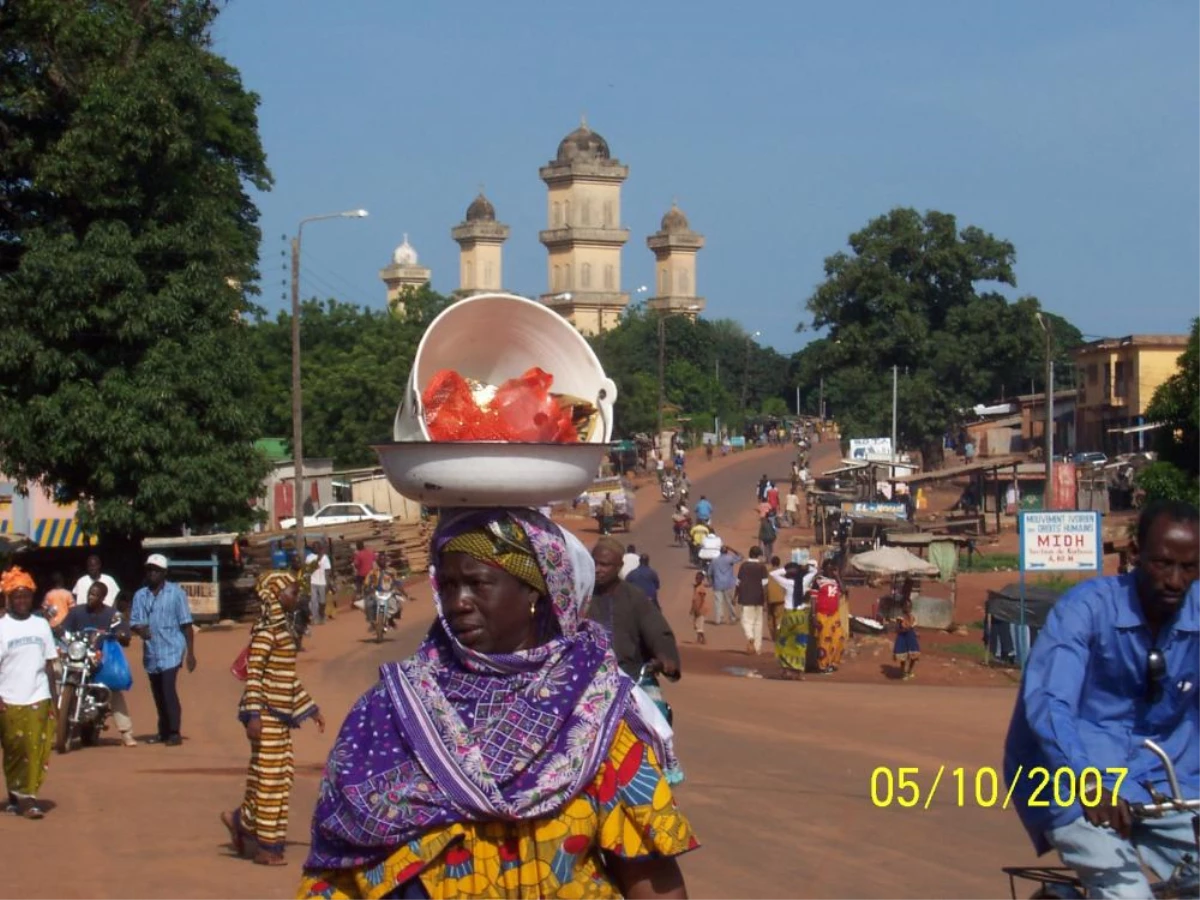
{"x": 527, "y": 412}
{"x": 522, "y": 410}
{"x": 241, "y": 666}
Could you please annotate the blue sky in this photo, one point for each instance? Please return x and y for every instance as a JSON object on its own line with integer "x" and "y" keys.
{"x": 1068, "y": 128}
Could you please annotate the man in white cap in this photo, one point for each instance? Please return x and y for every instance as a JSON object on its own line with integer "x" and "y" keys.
{"x": 162, "y": 618}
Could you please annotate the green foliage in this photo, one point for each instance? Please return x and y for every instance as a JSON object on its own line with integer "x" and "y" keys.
{"x": 909, "y": 295}
{"x": 126, "y": 237}
{"x": 991, "y": 562}
{"x": 1166, "y": 481}
{"x": 1176, "y": 403}
{"x": 354, "y": 369}
{"x": 707, "y": 365}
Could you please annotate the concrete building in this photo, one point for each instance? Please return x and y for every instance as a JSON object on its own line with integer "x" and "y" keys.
{"x": 403, "y": 276}
{"x": 480, "y": 239}
{"x": 1117, "y": 378}
{"x": 584, "y": 237}
{"x": 675, "y": 246}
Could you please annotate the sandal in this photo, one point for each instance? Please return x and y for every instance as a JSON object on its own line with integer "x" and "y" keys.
{"x": 29, "y": 809}
{"x": 237, "y": 837}
{"x": 266, "y": 858}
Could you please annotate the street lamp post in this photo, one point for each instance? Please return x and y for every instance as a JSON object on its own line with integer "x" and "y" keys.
{"x": 297, "y": 404}
{"x": 1048, "y": 494}
{"x": 746, "y": 375}
{"x": 662, "y": 366}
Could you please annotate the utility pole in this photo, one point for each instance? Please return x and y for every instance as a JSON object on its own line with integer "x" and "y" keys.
{"x": 297, "y": 402}
{"x": 1048, "y": 492}
{"x": 895, "y": 449}
{"x": 821, "y": 401}
{"x": 716, "y": 397}
{"x": 662, "y": 374}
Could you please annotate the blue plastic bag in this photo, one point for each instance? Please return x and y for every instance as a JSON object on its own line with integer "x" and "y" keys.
{"x": 114, "y": 671}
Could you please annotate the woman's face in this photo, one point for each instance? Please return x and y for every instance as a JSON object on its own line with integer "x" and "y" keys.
{"x": 20, "y": 603}
{"x": 487, "y": 609}
{"x": 288, "y": 597}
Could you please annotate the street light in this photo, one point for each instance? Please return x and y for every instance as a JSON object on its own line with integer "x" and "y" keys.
{"x": 297, "y": 405}
{"x": 746, "y": 377}
{"x": 1048, "y": 495}
{"x": 662, "y": 353}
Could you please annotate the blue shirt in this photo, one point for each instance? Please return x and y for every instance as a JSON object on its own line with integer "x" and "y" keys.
{"x": 647, "y": 579}
{"x": 1084, "y": 701}
{"x": 721, "y": 571}
{"x": 166, "y": 613}
{"x": 703, "y": 510}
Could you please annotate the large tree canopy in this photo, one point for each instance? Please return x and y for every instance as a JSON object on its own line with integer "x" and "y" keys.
{"x": 127, "y": 245}
{"x": 1176, "y": 404}
{"x": 354, "y": 367}
{"x": 710, "y": 366}
{"x": 913, "y": 293}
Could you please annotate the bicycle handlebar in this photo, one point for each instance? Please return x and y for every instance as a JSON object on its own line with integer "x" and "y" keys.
{"x": 1162, "y": 805}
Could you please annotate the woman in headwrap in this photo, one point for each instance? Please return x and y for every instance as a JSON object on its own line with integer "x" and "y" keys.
{"x": 273, "y": 703}
{"x": 507, "y": 757}
{"x": 27, "y": 694}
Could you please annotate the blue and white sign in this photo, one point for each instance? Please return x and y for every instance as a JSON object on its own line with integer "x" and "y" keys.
{"x": 1064, "y": 541}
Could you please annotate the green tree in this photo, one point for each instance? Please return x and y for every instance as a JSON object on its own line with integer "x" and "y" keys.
{"x": 128, "y": 245}
{"x": 911, "y": 294}
{"x": 1176, "y": 404}
{"x": 708, "y": 361}
{"x": 1166, "y": 481}
{"x": 355, "y": 364}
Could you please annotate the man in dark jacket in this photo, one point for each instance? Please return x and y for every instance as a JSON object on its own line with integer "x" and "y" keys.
{"x": 640, "y": 633}
{"x": 646, "y": 578}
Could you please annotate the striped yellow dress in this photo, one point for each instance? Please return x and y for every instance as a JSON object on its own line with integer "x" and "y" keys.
{"x": 273, "y": 694}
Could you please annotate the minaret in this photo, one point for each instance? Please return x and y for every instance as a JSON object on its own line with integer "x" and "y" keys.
{"x": 675, "y": 246}
{"x": 481, "y": 248}
{"x": 404, "y": 276}
{"x": 584, "y": 236}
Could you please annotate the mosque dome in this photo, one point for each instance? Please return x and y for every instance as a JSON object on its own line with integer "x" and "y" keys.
{"x": 481, "y": 210}
{"x": 583, "y": 144}
{"x": 405, "y": 254}
{"x": 675, "y": 220}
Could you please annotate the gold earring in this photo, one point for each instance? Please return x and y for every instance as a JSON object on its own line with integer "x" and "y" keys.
{"x": 533, "y": 609}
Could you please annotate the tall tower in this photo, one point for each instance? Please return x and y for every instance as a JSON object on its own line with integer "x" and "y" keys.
{"x": 675, "y": 246}
{"x": 480, "y": 239}
{"x": 584, "y": 236}
{"x": 404, "y": 276}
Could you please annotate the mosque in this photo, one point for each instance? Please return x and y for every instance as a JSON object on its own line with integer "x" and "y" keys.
{"x": 583, "y": 240}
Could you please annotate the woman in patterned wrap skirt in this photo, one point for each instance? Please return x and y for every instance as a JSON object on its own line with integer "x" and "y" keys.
{"x": 273, "y": 703}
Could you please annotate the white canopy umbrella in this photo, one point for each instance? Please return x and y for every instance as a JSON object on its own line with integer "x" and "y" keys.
{"x": 892, "y": 561}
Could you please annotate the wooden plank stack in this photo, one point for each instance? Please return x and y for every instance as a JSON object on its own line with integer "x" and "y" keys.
{"x": 400, "y": 540}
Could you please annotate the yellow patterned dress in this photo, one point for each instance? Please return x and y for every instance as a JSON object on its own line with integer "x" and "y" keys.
{"x": 627, "y": 811}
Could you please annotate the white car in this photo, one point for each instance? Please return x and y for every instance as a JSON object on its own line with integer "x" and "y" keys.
{"x": 338, "y": 514}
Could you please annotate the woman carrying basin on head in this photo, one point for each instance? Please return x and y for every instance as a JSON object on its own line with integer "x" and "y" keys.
{"x": 507, "y": 757}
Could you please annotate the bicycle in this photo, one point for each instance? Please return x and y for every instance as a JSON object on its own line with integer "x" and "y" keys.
{"x": 1062, "y": 883}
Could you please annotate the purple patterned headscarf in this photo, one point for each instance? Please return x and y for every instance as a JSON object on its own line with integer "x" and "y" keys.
{"x": 452, "y": 735}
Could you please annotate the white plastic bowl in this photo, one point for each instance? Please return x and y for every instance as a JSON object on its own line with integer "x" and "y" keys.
{"x": 490, "y": 473}
{"x": 495, "y": 337}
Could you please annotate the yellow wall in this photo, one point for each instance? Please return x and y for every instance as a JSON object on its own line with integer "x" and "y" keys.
{"x": 480, "y": 267}
{"x": 675, "y": 274}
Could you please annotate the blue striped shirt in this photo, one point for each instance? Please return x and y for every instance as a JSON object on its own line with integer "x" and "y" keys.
{"x": 166, "y": 613}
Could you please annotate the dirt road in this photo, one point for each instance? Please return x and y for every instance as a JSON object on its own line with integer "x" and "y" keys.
{"x": 779, "y": 773}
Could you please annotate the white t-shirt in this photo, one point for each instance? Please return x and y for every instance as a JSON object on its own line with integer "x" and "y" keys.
{"x": 629, "y": 562}
{"x": 779, "y": 576}
{"x": 25, "y": 647}
{"x": 323, "y": 566}
{"x": 710, "y": 547}
{"x": 84, "y": 584}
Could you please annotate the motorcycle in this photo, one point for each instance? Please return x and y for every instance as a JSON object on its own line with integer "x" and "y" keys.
{"x": 682, "y": 528}
{"x": 84, "y": 704}
{"x": 1062, "y": 883}
{"x": 667, "y": 488}
{"x": 385, "y": 608}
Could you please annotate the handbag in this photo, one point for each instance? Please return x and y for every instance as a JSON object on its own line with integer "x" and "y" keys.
{"x": 241, "y": 666}
{"x": 114, "y": 671}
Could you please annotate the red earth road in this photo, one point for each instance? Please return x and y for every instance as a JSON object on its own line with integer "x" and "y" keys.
{"x": 779, "y": 773}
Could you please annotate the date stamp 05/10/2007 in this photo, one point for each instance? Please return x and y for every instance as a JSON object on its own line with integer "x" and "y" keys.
{"x": 905, "y": 787}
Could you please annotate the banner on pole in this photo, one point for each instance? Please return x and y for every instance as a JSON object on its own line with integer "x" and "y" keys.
{"x": 1061, "y": 541}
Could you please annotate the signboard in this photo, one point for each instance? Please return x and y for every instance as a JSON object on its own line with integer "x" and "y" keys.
{"x": 893, "y": 510}
{"x": 738, "y": 442}
{"x": 1064, "y": 541}
{"x": 1063, "y": 496}
{"x": 204, "y": 598}
{"x": 878, "y": 449}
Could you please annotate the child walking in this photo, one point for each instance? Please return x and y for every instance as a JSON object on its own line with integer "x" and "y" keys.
{"x": 907, "y": 649}
{"x": 699, "y": 606}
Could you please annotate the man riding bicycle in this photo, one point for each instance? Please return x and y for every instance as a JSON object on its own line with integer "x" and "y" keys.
{"x": 1117, "y": 662}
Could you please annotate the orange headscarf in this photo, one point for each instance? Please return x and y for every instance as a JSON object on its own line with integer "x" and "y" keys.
{"x": 16, "y": 578}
